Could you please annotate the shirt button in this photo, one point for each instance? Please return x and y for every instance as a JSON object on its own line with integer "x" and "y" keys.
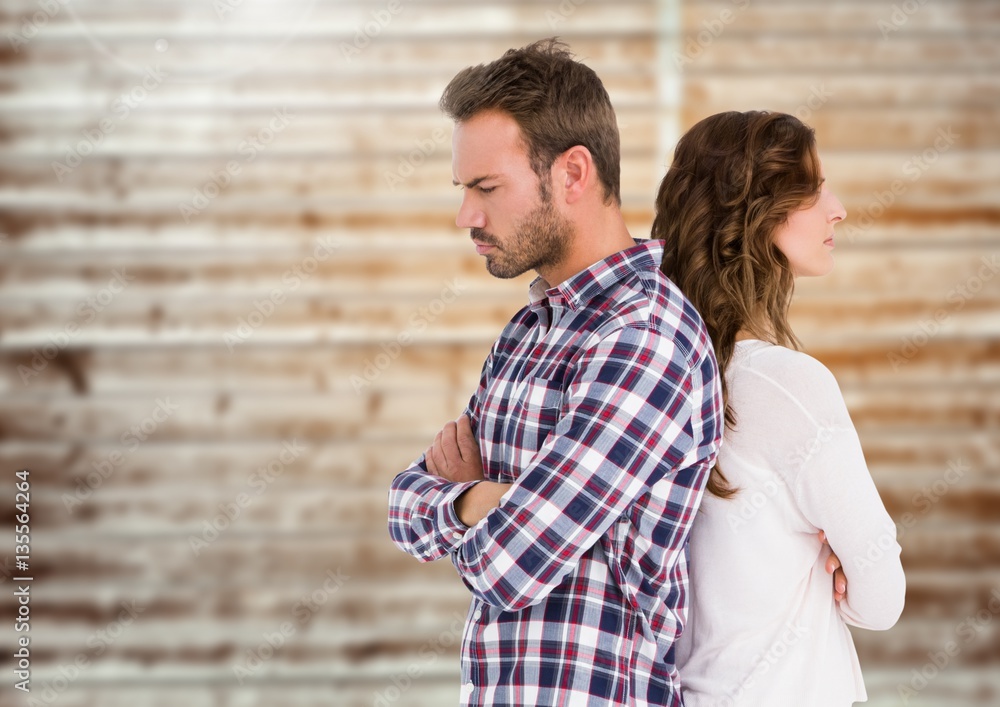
{"x": 478, "y": 615}
{"x": 457, "y": 535}
{"x": 467, "y": 690}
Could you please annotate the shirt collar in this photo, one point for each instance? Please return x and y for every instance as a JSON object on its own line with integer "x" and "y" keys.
{"x": 579, "y": 289}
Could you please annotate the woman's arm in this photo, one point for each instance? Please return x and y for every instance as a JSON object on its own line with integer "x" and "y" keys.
{"x": 822, "y": 458}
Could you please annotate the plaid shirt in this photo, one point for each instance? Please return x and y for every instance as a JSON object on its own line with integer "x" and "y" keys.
{"x": 600, "y": 402}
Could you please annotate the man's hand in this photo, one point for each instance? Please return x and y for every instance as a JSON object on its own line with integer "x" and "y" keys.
{"x": 455, "y": 453}
{"x": 455, "y": 456}
{"x": 833, "y": 567}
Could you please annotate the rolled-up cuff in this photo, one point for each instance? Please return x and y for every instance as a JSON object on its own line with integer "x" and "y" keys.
{"x": 450, "y": 528}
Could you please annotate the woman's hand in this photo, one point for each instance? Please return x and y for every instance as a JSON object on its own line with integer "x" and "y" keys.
{"x": 833, "y": 567}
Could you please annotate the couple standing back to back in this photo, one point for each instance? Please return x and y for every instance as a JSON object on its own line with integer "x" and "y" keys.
{"x": 589, "y": 467}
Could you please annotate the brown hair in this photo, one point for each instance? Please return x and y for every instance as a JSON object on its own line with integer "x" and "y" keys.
{"x": 557, "y": 102}
{"x": 734, "y": 179}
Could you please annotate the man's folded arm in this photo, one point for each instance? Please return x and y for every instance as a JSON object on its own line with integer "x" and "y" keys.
{"x": 625, "y": 425}
{"x": 422, "y": 518}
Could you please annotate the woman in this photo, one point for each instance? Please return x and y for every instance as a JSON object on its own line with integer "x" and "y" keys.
{"x": 743, "y": 210}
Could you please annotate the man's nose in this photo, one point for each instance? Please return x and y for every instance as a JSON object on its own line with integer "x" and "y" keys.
{"x": 469, "y": 214}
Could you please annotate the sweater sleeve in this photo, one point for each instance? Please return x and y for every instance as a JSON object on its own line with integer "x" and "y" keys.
{"x": 834, "y": 490}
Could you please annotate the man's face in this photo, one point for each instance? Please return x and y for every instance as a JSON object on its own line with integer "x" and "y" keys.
{"x": 508, "y": 210}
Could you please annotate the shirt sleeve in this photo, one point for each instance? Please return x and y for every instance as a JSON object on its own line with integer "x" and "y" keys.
{"x": 626, "y": 424}
{"x": 835, "y": 492}
{"x": 422, "y": 518}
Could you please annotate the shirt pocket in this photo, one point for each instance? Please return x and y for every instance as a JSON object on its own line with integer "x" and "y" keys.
{"x": 538, "y": 404}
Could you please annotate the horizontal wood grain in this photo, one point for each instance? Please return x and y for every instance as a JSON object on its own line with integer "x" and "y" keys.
{"x": 332, "y": 264}
{"x": 878, "y": 96}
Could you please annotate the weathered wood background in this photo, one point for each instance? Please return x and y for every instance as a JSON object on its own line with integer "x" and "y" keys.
{"x": 241, "y": 292}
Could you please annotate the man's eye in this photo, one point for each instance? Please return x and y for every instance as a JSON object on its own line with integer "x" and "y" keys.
{"x": 486, "y": 190}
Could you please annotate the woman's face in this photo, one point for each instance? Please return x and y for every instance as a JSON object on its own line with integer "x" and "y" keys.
{"x": 806, "y": 236}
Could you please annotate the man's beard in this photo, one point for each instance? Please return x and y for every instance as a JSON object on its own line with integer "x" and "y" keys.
{"x": 540, "y": 240}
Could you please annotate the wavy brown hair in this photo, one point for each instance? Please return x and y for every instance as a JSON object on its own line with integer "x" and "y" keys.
{"x": 734, "y": 179}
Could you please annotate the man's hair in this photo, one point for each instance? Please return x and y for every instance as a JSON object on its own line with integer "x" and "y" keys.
{"x": 557, "y": 103}
{"x": 735, "y": 178}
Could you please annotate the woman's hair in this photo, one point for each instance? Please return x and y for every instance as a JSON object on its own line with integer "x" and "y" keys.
{"x": 556, "y": 101}
{"x": 735, "y": 178}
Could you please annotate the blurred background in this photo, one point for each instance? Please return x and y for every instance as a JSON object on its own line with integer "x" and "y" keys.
{"x": 235, "y": 304}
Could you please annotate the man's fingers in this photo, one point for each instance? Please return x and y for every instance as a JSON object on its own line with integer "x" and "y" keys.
{"x": 439, "y": 458}
{"x": 429, "y": 460}
{"x": 449, "y": 443}
{"x": 467, "y": 444}
{"x": 454, "y": 455}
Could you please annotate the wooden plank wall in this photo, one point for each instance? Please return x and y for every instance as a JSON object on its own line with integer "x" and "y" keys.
{"x": 238, "y": 305}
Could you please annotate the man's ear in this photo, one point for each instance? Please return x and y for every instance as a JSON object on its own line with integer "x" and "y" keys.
{"x": 578, "y": 171}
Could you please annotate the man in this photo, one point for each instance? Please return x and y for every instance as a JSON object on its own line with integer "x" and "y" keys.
{"x": 565, "y": 493}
